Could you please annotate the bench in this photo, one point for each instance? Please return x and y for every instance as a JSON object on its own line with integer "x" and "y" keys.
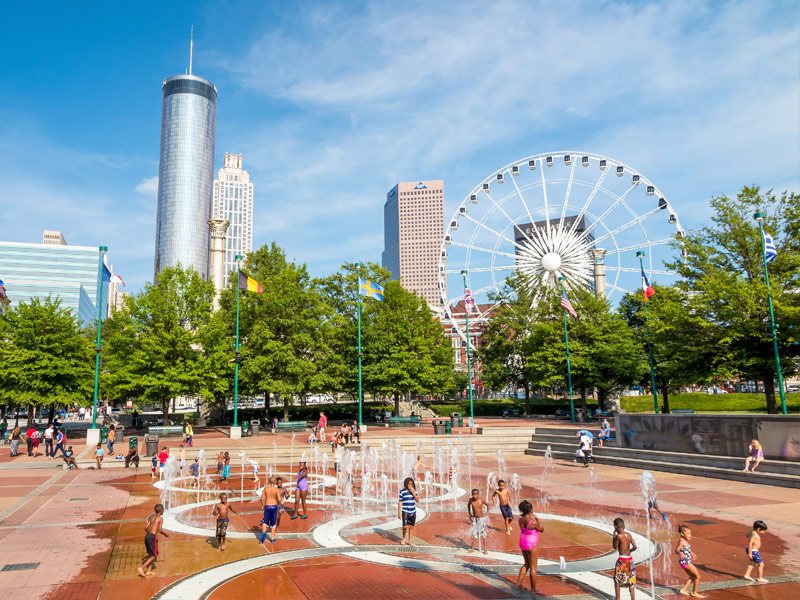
{"x": 514, "y": 412}
{"x": 166, "y": 429}
{"x": 405, "y": 420}
{"x": 682, "y": 411}
{"x": 291, "y": 425}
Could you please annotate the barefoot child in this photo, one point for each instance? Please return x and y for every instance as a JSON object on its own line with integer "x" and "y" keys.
{"x": 529, "y": 529}
{"x": 254, "y": 467}
{"x": 162, "y": 460}
{"x": 407, "y": 509}
{"x": 98, "y": 456}
{"x": 475, "y": 511}
{"x": 753, "y": 551}
{"x": 685, "y": 557}
{"x": 220, "y": 461}
{"x": 152, "y": 529}
{"x": 624, "y": 570}
{"x": 226, "y": 467}
{"x": 504, "y": 496}
{"x": 270, "y": 500}
{"x": 221, "y": 512}
{"x": 154, "y": 461}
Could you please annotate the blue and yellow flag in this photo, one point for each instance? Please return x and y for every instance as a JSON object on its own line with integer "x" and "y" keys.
{"x": 370, "y": 289}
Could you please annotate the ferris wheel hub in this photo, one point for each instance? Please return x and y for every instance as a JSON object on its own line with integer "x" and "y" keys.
{"x": 551, "y": 261}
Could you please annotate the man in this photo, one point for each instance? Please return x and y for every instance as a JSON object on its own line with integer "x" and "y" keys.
{"x": 81, "y": 413}
{"x": 48, "y": 442}
{"x": 30, "y": 436}
{"x": 132, "y": 457}
{"x": 322, "y": 425}
{"x": 270, "y": 498}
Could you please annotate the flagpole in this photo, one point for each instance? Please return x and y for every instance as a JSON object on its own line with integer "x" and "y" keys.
{"x": 469, "y": 356}
{"x": 566, "y": 341}
{"x": 358, "y": 300}
{"x": 103, "y": 250}
{"x": 236, "y": 354}
{"x": 640, "y": 256}
{"x": 759, "y": 216}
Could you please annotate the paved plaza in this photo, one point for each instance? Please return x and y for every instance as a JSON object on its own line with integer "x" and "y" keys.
{"x": 79, "y": 534}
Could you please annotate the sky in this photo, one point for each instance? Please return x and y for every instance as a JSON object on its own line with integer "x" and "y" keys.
{"x": 332, "y": 103}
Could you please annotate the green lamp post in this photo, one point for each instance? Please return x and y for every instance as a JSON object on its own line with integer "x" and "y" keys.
{"x": 640, "y": 256}
{"x": 566, "y": 342}
{"x": 358, "y": 297}
{"x": 97, "y": 347}
{"x": 236, "y": 358}
{"x": 469, "y": 355}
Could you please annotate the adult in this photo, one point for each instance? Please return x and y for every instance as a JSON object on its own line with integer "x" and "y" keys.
{"x": 3, "y": 428}
{"x": 605, "y": 432}
{"x": 112, "y": 437}
{"x": 132, "y": 457}
{"x": 81, "y": 413}
{"x": 135, "y": 419}
{"x": 301, "y": 491}
{"x": 323, "y": 424}
{"x": 756, "y": 456}
{"x": 48, "y": 442}
{"x": 355, "y": 432}
{"x": 188, "y": 434}
{"x": 32, "y": 439}
{"x": 61, "y": 440}
{"x": 16, "y": 437}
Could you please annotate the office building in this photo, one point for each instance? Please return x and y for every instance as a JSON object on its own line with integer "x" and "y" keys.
{"x": 53, "y": 238}
{"x": 185, "y": 172}
{"x": 413, "y": 229}
{"x": 57, "y": 270}
{"x": 233, "y": 201}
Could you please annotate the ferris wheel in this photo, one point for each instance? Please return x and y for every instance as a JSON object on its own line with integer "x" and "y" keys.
{"x": 575, "y": 215}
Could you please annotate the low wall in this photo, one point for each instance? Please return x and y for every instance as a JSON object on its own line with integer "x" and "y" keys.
{"x": 721, "y": 435}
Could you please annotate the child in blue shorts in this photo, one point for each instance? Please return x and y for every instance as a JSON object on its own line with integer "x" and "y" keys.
{"x": 753, "y": 551}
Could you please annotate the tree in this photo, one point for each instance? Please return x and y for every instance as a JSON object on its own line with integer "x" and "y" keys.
{"x": 46, "y": 357}
{"x": 153, "y": 348}
{"x": 724, "y": 266}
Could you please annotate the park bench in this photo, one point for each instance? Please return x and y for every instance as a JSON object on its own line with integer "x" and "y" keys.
{"x": 683, "y": 411}
{"x": 405, "y": 420}
{"x": 166, "y": 429}
{"x": 512, "y": 412}
{"x": 291, "y": 425}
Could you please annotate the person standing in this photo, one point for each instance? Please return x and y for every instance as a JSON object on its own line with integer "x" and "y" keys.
{"x": 48, "y": 442}
{"x": 3, "y": 428}
{"x": 301, "y": 491}
{"x": 98, "y": 456}
{"x": 322, "y": 425}
{"x": 624, "y": 569}
{"x": 162, "y": 460}
{"x": 81, "y": 413}
{"x": 269, "y": 500}
{"x": 16, "y": 437}
{"x": 407, "y": 510}
{"x": 30, "y": 434}
{"x": 221, "y": 512}
{"x": 112, "y": 437}
{"x": 503, "y": 494}
{"x": 529, "y": 527}
{"x": 188, "y": 434}
{"x": 478, "y": 520}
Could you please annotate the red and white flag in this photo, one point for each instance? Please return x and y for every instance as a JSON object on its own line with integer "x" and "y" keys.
{"x": 567, "y": 305}
{"x": 647, "y": 289}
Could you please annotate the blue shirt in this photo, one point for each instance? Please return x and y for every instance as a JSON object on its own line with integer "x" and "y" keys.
{"x": 409, "y": 505}
{"x": 585, "y": 432}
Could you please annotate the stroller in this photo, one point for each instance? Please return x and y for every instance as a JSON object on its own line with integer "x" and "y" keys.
{"x": 584, "y": 451}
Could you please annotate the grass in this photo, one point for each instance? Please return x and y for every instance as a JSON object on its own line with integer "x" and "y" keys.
{"x": 716, "y": 403}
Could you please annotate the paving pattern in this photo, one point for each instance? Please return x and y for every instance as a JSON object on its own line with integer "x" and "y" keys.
{"x": 85, "y": 529}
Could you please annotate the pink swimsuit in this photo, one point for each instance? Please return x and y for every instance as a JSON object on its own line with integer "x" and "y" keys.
{"x": 528, "y": 538}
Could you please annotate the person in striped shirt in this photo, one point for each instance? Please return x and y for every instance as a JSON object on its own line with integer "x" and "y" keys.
{"x": 407, "y": 509}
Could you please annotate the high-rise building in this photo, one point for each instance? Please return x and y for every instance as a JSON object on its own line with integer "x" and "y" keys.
{"x": 53, "y": 238}
{"x": 185, "y": 172}
{"x": 233, "y": 200}
{"x": 413, "y": 228}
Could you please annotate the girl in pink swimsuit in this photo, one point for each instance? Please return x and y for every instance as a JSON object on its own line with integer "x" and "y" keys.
{"x": 530, "y": 527}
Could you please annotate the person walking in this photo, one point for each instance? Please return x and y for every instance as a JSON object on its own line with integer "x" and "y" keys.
{"x": 322, "y": 425}
{"x": 48, "y": 442}
{"x": 112, "y": 437}
{"x": 188, "y": 434}
{"x": 30, "y": 434}
{"x": 81, "y": 413}
{"x": 61, "y": 440}
{"x": 16, "y": 437}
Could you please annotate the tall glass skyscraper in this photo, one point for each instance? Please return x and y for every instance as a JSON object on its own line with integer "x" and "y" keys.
{"x": 185, "y": 172}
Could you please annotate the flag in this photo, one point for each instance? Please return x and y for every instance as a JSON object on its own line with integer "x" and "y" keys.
{"x": 3, "y": 298}
{"x": 770, "y": 251}
{"x": 647, "y": 289}
{"x": 249, "y": 284}
{"x": 567, "y": 305}
{"x": 108, "y": 276}
{"x": 469, "y": 301}
{"x": 370, "y": 289}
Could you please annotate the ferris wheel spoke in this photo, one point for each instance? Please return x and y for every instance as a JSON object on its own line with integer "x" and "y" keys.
{"x": 475, "y": 293}
{"x": 510, "y": 220}
{"x": 481, "y": 249}
{"x": 609, "y": 210}
{"x": 640, "y": 246}
{"x": 536, "y": 232}
{"x": 617, "y": 288}
{"x": 483, "y": 269}
{"x": 638, "y": 270}
{"x": 597, "y": 186}
{"x": 627, "y": 225}
{"x": 490, "y": 230}
{"x": 566, "y": 202}
{"x": 546, "y": 211}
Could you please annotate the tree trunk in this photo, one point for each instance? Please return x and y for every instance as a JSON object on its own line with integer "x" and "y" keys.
{"x": 769, "y": 392}
{"x": 286, "y": 408}
{"x": 165, "y": 409}
{"x": 397, "y": 404}
{"x": 601, "y": 398}
{"x": 665, "y": 399}
{"x": 51, "y": 415}
{"x": 527, "y": 388}
{"x": 583, "y": 404}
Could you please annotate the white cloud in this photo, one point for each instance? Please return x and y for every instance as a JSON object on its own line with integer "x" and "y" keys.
{"x": 148, "y": 186}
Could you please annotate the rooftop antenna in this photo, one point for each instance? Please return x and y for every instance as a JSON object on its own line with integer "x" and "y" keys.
{"x": 191, "y": 48}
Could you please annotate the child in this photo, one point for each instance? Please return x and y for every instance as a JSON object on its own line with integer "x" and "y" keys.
{"x": 194, "y": 471}
{"x": 220, "y": 460}
{"x": 685, "y": 557}
{"x": 221, "y": 512}
{"x": 270, "y": 500}
{"x": 407, "y": 510}
{"x": 504, "y": 496}
{"x": 162, "y": 460}
{"x": 254, "y": 466}
{"x": 475, "y": 510}
{"x": 152, "y": 529}
{"x": 652, "y": 505}
{"x": 155, "y": 464}
{"x": 98, "y": 455}
{"x": 753, "y": 548}
{"x": 226, "y": 469}
{"x": 624, "y": 570}
{"x": 282, "y": 496}
{"x": 529, "y": 527}
{"x": 756, "y": 456}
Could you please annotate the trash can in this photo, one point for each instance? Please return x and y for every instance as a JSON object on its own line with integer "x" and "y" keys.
{"x": 120, "y": 431}
{"x": 448, "y": 429}
{"x": 254, "y": 426}
{"x": 151, "y": 443}
{"x": 438, "y": 426}
{"x": 245, "y": 429}
{"x": 133, "y": 442}
{"x": 456, "y": 420}
{"x": 103, "y": 435}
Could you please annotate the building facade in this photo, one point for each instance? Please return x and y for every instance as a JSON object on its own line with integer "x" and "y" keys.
{"x": 185, "y": 172}
{"x": 53, "y": 238}
{"x": 233, "y": 201}
{"x": 413, "y": 229}
{"x": 59, "y": 271}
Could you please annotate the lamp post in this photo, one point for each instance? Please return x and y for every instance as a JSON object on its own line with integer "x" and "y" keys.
{"x": 469, "y": 360}
{"x": 759, "y": 216}
{"x": 97, "y": 347}
{"x": 358, "y": 300}
{"x": 566, "y": 341}
{"x": 640, "y": 256}
{"x": 235, "y": 427}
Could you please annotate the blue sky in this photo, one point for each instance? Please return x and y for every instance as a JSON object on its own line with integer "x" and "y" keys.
{"x": 332, "y": 103}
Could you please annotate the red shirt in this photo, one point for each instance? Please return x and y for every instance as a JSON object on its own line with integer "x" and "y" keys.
{"x": 162, "y": 457}
{"x": 323, "y": 422}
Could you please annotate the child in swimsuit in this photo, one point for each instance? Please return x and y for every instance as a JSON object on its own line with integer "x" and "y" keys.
{"x": 685, "y": 556}
{"x": 756, "y": 456}
{"x": 530, "y": 527}
{"x": 753, "y": 551}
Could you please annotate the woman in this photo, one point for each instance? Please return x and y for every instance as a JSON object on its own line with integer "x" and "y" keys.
{"x": 112, "y": 437}
{"x": 16, "y": 438}
{"x": 530, "y": 527}
{"x": 756, "y": 456}
{"x": 188, "y": 433}
{"x": 301, "y": 491}
{"x": 355, "y": 432}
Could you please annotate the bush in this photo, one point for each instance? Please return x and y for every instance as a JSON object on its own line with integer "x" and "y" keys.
{"x": 495, "y": 407}
{"x": 700, "y": 402}
{"x": 310, "y": 412}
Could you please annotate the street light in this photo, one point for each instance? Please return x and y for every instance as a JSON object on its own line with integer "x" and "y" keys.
{"x": 358, "y": 300}
{"x": 759, "y": 216}
{"x": 98, "y": 347}
{"x": 561, "y": 281}
{"x": 640, "y": 256}
{"x": 238, "y": 259}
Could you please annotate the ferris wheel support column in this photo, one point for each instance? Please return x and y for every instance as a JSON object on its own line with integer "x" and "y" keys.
{"x": 640, "y": 255}
{"x": 469, "y": 361}
{"x": 569, "y": 369}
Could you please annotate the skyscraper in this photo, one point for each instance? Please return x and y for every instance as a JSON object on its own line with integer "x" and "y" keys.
{"x": 413, "y": 228}
{"x": 233, "y": 200}
{"x": 185, "y": 172}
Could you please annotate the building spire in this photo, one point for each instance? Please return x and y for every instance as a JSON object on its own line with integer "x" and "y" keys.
{"x": 191, "y": 48}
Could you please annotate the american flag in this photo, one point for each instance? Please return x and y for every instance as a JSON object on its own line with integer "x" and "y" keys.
{"x": 469, "y": 301}
{"x": 567, "y": 305}
{"x": 769, "y": 247}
